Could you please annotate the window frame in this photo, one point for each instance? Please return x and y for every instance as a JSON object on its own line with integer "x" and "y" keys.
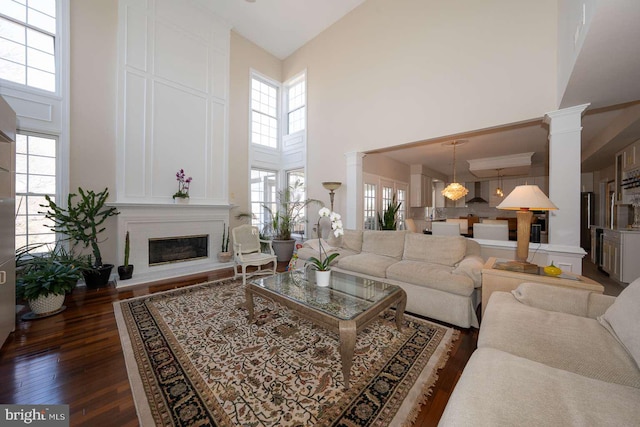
{"x": 60, "y": 52}
{"x": 19, "y": 196}
{"x": 288, "y": 85}
{"x": 278, "y": 117}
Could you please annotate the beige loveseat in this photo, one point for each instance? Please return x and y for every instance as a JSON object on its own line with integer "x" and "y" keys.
{"x": 551, "y": 356}
{"x": 440, "y": 274}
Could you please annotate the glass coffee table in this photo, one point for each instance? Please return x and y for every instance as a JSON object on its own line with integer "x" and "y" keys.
{"x": 346, "y": 306}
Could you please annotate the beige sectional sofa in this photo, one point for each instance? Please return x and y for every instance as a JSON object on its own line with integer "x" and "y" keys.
{"x": 440, "y": 274}
{"x": 550, "y": 356}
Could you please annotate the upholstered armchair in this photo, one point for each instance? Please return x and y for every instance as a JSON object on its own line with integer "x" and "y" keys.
{"x": 247, "y": 252}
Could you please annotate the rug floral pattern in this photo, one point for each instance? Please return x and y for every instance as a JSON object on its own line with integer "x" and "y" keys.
{"x": 202, "y": 363}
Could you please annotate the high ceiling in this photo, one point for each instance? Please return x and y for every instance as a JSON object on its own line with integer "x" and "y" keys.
{"x": 605, "y": 75}
{"x": 281, "y": 26}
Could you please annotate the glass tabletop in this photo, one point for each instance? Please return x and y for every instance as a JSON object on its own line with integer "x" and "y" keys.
{"x": 345, "y": 298}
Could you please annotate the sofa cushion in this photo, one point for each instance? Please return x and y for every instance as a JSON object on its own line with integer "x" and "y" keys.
{"x": 430, "y": 275}
{"x": 367, "y": 263}
{"x": 385, "y": 242}
{"x": 564, "y": 341}
{"x": 352, "y": 240}
{"x": 305, "y": 252}
{"x": 623, "y": 319}
{"x": 444, "y": 250}
{"x": 500, "y": 389}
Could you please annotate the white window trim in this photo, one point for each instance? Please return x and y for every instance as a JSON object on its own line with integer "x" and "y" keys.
{"x": 23, "y": 98}
{"x": 285, "y": 102}
{"x": 259, "y": 76}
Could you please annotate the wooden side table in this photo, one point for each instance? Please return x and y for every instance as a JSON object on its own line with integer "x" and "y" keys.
{"x": 495, "y": 279}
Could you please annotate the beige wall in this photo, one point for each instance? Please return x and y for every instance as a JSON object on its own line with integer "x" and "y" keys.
{"x": 394, "y": 72}
{"x": 386, "y": 167}
{"x": 244, "y": 57}
{"x": 390, "y": 72}
{"x": 94, "y": 27}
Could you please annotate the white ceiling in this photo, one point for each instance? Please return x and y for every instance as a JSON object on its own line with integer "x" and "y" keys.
{"x": 281, "y": 26}
{"x": 606, "y": 74}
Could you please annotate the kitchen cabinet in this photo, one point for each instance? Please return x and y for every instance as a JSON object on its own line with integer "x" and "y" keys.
{"x": 620, "y": 250}
{"x": 629, "y": 157}
{"x": 7, "y": 220}
{"x": 420, "y": 191}
{"x": 611, "y": 253}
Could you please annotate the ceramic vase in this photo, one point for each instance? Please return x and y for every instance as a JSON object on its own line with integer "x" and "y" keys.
{"x": 323, "y": 278}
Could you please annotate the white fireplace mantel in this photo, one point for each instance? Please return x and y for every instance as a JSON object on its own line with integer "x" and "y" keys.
{"x": 146, "y": 221}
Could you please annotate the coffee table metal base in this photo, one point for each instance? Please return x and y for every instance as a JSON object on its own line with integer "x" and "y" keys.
{"x": 347, "y": 329}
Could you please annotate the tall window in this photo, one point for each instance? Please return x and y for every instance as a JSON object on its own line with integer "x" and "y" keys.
{"x": 264, "y": 113}
{"x": 296, "y": 109}
{"x": 35, "y": 178}
{"x": 27, "y": 40}
{"x": 295, "y": 180}
{"x": 370, "y": 207}
{"x": 263, "y": 193}
{"x": 402, "y": 198}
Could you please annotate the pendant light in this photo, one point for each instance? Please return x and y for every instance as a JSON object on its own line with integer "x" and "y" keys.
{"x": 455, "y": 191}
{"x": 499, "y": 191}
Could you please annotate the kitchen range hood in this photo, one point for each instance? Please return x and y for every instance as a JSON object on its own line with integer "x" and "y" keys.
{"x": 476, "y": 194}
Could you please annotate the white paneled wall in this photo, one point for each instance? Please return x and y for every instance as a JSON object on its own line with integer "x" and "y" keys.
{"x": 173, "y": 101}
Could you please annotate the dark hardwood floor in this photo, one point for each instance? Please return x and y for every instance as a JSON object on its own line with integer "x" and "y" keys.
{"x": 75, "y": 357}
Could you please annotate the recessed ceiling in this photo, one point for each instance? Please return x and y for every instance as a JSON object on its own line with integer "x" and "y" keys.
{"x": 281, "y": 26}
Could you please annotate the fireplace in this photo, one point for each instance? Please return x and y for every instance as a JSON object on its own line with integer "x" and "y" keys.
{"x": 178, "y": 249}
{"x": 170, "y": 241}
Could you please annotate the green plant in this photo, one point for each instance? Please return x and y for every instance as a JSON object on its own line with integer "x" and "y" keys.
{"x": 126, "y": 249}
{"x": 289, "y": 211}
{"x": 50, "y": 273}
{"x": 225, "y": 238}
{"x": 336, "y": 226}
{"x": 388, "y": 221}
{"x": 82, "y": 221}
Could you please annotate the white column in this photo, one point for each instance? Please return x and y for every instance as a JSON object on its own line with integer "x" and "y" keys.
{"x": 565, "y": 127}
{"x": 354, "y": 215}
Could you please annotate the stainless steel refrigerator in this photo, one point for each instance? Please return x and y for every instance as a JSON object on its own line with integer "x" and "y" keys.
{"x": 587, "y": 211}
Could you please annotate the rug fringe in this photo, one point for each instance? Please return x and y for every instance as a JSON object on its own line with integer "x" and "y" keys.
{"x": 427, "y": 389}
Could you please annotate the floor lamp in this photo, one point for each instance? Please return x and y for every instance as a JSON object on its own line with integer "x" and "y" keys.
{"x": 524, "y": 199}
{"x": 332, "y": 186}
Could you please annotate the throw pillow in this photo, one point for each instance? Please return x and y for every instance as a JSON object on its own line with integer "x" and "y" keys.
{"x": 623, "y": 317}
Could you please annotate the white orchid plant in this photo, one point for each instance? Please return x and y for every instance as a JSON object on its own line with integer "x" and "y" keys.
{"x": 336, "y": 226}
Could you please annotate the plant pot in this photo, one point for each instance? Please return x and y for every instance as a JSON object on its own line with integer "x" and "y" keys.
{"x": 97, "y": 277}
{"x": 125, "y": 271}
{"x": 49, "y": 304}
{"x": 181, "y": 200}
{"x": 283, "y": 249}
{"x": 323, "y": 278}
{"x": 224, "y": 256}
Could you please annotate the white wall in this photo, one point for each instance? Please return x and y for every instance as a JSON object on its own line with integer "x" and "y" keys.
{"x": 397, "y": 72}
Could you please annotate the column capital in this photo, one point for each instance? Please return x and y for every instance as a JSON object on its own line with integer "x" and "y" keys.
{"x": 566, "y": 119}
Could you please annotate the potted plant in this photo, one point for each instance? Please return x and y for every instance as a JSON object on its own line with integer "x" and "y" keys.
{"x": 224, "y": 255}
{"x": 290, "y": 212}
{"x": 125, "y": 271}
{"x": 323, "y": 266}
{"x": 44, "y": 279}
{"x": 82, "y": 221}
{"x": 388, "y": 221}
{"x": 182, "y": 195}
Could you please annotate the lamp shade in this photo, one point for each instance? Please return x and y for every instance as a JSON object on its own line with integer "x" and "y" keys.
{"x": 331, "y": 185}
{"x": 527, "y": 197}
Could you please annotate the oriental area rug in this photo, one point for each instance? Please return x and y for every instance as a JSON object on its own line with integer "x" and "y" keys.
{"x": 193, "y": 359}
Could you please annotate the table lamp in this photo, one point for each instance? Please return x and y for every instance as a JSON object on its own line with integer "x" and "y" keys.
{"x": 524, "y": 199}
